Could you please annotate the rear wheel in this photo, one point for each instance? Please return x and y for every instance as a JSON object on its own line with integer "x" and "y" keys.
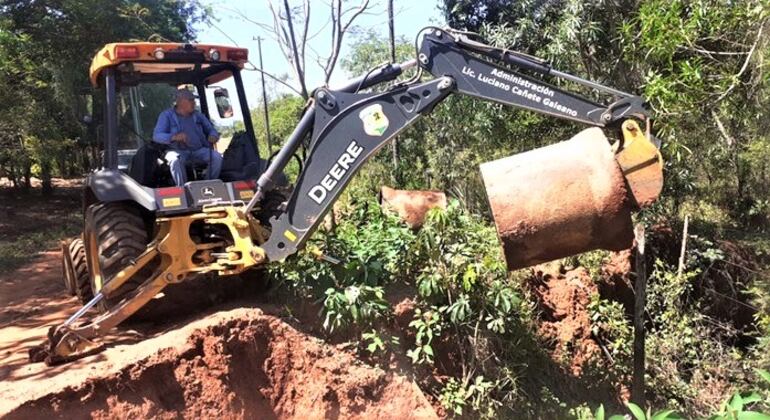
{"x": 115, "y": 236}
{"x": 79, "y": 270}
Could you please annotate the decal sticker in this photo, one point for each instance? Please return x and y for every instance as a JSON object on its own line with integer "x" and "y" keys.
{"x": 290, "y": 235}
{"x": 336, "y": 172}
{"x": 375, "y": 121}
{"x": 172, "y": 202}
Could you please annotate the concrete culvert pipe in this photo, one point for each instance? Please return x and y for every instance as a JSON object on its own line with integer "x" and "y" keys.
{"x": 559, "y": 200}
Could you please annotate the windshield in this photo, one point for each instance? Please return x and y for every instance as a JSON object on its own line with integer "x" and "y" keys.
{"x": 138, "y": 110}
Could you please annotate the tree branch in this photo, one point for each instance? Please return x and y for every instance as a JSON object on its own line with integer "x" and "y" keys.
{"x": 728, "y": 138}
{"x": 306, "y": 8}
{"x": 295, "y": 50}
{"x": 253, "y": 66}
{"x": 745, "y": 65}
{"x": 340, "y": 31}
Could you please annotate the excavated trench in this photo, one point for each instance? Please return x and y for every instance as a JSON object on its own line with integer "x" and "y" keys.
{"x": 241, "y": 364}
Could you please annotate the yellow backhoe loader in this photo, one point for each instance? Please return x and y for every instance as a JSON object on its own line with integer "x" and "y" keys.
{"x": 143, "y": 233}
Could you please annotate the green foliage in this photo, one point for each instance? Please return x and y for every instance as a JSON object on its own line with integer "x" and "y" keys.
{"x": 739, "y": 406}
{"x": 19, "y": 251}
{"x": 690, "y": 348}
{"x": 285, "y": 112}
{"x": 463, "y": 289}
{"x": 370, "y": 49}
{"x": 638, "y": 414}
{"x": 701, "y": 66}
{"x": 455, "y": 396}
{"x": 427, "y": 326}
{"x": 356, "y": 304}
{"x": 611, "y": 326}
{"x": 375, "y": 343}
{"x": 744, "y": 405}
{"x": 45, "y": 53}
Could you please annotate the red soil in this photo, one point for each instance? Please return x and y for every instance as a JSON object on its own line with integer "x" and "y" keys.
{"x": 563, "y": 299}
{"x": 236, "y": 363}
{"x": 239, "y": 364}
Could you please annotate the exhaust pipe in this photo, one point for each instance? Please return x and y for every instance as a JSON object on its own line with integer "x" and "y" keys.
{"x": 564, "y": 199}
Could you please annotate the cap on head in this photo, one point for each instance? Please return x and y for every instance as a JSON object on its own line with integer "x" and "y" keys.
{"x": 184, "y": 94}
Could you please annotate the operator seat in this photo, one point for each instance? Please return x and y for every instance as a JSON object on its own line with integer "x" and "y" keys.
{"x": 149, "y": 167}
{"x": 241, "y": 161}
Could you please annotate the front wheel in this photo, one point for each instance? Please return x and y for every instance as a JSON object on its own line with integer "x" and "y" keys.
{"x": 115, "y": 236}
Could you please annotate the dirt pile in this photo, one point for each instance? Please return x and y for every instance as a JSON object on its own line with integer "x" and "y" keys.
{"x": 563, "y": 298}
{"x": 239, "y": 364}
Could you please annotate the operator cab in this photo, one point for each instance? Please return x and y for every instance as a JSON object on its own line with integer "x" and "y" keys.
{"x": 137, "y": 81}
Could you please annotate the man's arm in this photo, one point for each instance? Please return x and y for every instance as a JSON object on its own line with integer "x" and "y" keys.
{"x": 208, "y": 127}
{"x": 162, "y": 133}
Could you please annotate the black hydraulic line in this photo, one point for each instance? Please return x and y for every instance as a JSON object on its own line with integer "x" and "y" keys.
{"x": 526, "y": 62}
{"x": 442, "y": 55}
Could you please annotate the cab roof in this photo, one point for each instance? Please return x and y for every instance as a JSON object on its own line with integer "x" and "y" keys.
{"x": 169, "y": 59}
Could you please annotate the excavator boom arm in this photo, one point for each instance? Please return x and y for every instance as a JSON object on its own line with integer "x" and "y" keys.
{"x": 347, "y": 127}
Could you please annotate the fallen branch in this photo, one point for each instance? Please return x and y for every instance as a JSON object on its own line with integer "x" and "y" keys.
{"x": 680, "y": 269}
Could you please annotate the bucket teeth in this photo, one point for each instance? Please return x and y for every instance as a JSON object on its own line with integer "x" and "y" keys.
{"x": 63, "y": 345}
{"x": 641, "y": 164}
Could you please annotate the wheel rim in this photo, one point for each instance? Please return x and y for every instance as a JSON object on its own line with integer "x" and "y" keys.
{"x": 93, "y": 262}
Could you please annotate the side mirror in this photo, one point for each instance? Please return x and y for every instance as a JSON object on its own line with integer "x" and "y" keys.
{"x": 224, "y": 107}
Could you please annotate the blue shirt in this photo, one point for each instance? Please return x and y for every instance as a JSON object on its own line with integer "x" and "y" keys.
{"x": 197, "y": 127}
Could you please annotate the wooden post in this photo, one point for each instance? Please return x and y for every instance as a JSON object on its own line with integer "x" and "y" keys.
{"x": 680, "y": 269}
{"x": 640, "y": 292}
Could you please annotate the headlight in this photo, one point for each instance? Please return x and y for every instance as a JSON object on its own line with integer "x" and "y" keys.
{"x": 214, "y": 54}
{"x": 159, "y": 54}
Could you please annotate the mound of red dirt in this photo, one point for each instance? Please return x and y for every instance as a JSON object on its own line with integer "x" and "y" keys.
{"x": 238, "y": 364}
{"x": 563, "y": 299}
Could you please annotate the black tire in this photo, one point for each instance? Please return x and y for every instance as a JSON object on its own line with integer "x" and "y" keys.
{"x": 79, "y": 270}
{"x": 115, "y": 235}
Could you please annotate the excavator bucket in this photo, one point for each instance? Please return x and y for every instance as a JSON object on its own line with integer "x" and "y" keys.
{"x": 641, "y": 164}
{"x": 572, "y": 197}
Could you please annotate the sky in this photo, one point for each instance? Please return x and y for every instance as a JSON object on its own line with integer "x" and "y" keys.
{"x": 229, "y": 28}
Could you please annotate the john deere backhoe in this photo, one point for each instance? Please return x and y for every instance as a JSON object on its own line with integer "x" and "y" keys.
{"x": 138, "y": 238}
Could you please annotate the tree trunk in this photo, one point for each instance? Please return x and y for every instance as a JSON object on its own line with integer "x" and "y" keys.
{"x": 27, "y": 176}
{"x": 45, "y": 173}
